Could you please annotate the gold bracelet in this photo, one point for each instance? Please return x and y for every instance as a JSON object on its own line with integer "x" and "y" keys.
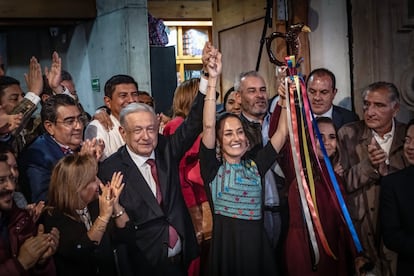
{"x": 102, "y": 219}
{"x": 208, "y": 86}
{"x": 209, "y": 99}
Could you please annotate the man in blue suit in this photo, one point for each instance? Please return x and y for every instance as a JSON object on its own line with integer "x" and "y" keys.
{"x": 64, "y": 124}
{"x": 321, "y": 92}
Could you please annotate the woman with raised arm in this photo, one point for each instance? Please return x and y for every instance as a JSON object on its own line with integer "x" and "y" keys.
{"x": 81, "y": 207}
{"x": 234, "y": 186}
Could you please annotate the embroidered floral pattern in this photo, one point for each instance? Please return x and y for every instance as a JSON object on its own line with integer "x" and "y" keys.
{"x": 237, "y": 191}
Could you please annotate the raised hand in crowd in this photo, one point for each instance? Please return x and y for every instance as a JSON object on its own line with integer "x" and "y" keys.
{"x": 34, "y": 79}
{"x": 54, "y": 74}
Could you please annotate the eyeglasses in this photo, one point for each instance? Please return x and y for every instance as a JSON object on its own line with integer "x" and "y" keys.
{"x": 71, "y": 121}
{"x": 6, "y": 179}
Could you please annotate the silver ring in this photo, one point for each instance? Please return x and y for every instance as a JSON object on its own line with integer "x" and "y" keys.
{"x": 108, "y": 198}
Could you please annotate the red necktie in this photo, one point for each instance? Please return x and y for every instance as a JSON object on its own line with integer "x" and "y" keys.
{"x": 172, "y": 232}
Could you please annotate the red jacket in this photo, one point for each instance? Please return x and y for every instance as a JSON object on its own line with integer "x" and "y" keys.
{"x": 192, "y": 185}
{"x": 20, "y": 227}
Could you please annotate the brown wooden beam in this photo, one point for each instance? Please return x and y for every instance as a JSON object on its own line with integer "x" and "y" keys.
{"x": 47, "y": 9}
{"x": 234, "y": 11}
{"x": 179, "y": 10}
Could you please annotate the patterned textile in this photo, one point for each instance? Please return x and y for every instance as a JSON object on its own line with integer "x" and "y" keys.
{"x": 85, "y": 217}
{"x": 236, "y": 191}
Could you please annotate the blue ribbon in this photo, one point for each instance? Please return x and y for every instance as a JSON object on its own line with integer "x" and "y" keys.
{"x": 337, "y": 189}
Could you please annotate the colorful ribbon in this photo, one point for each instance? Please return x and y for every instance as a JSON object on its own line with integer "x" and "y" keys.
{"x": 298, "y": 122}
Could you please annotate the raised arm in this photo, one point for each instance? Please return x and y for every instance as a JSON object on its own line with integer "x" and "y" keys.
{"x": 53, "y": 74}
{"x": 34, "y": 80}
{"x": 278, "y": 139}
{"x": 209, "y": 111}
{"x": 27, "y": 106}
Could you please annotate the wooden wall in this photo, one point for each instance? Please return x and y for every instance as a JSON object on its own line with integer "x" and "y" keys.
{"x": 180, "y": 10}
{"x": 45, "y": 12}
{"x": 383, "y": 49}
{"x": 237, "y": 31}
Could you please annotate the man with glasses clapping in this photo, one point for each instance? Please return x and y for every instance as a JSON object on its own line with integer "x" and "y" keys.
{"x": 64, "y": 124}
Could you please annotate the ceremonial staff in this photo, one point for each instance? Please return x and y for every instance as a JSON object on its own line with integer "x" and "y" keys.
{"x": 302, "y": 132}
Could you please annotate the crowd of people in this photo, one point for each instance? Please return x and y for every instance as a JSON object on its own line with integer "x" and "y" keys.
{"x": 202, "y": 192}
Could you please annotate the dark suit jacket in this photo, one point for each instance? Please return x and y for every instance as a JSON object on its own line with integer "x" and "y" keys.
{"x": 146, "y": 235}
{"x": 397, "y": 217}
{"x": 342, "y": 116}
{"x": 36, "y": 163}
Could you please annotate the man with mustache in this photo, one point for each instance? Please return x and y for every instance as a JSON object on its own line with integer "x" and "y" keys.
{"x": 24, "y": 248}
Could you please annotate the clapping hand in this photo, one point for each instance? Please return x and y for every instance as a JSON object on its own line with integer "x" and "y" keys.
{"x": 116, "y": 186}
{"x": 93, "y": 147}
{"x": 35, "y": 210}
{"x": 38, "y": 248}
{"x": 339, "y": 169}
{"x": 377, "y": 156}
{"x": 53, "y": 238}
{"x": 106, "y": 202}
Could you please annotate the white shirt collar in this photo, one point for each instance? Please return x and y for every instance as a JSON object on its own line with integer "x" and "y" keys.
{"x": 138, "y": 159}
{"x": 327, "y": 113}
{"x": 387, "y": 135}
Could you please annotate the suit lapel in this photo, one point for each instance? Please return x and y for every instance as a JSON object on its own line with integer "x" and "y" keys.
{"x": 398, "y": 139}
{"x": 336, "y": 117}
{"x": 136, "y": 185}
{"x": 366, "y": 136}
{"x": 396, "y": 155}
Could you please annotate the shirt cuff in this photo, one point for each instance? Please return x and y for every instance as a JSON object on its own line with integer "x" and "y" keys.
{"x": 203, "y": 86}
{"x": 67, "y": 92}
{"x": 32, "y": 97}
